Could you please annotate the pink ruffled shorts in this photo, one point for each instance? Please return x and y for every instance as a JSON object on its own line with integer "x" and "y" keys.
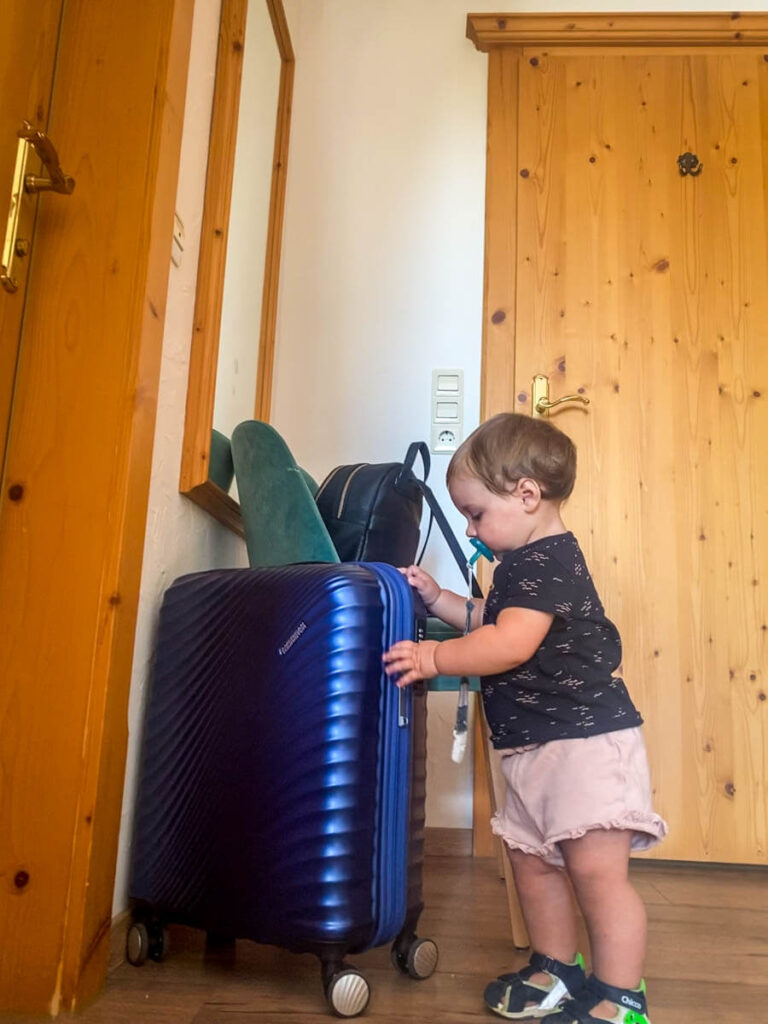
{"x": 566, "y": 788}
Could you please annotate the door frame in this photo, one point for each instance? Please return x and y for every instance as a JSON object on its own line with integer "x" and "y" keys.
{"x": 56, "y": 900}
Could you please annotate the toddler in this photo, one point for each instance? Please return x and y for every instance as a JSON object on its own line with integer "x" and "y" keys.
{"x": 578, "y": 796}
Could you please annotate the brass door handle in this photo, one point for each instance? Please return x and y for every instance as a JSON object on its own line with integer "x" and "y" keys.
{"x": 57, "y": 180}
{"x": 540, "y": 396}
{"x": 18, "y": 232}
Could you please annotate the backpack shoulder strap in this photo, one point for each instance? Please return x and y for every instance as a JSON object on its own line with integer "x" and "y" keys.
{"x": 414, "y": 449}
{"x": 450, "y": 536}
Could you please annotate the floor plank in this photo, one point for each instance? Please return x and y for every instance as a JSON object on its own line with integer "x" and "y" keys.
{"x": 707, "y": 959}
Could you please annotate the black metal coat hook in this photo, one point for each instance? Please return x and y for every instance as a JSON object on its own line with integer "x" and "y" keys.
{"x": 689, "y": 164}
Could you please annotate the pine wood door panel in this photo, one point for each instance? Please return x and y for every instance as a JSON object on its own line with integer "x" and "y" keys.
{"x": 74, "y": 495}
{"x": 27, "y": 58}
{"x": 645, "y": 290}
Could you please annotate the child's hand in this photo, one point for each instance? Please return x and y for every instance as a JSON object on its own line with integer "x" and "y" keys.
{"x": 428, "y": 588}
{"x": 411, "y": 661}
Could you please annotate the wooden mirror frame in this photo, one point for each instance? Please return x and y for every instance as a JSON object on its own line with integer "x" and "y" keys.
{"x": 198, "y": 422}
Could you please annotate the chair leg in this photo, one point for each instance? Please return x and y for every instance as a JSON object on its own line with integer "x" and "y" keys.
{"x": 517, "y": 922}
{"x": 483, "y": 803}
{"x": 484, "y": 843}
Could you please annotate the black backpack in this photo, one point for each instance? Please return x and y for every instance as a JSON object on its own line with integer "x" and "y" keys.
{"x": 373, "y": 511}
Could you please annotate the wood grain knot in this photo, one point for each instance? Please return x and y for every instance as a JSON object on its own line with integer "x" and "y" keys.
{"x": 21, "y": 879}
{"x": 661, "y": 265}
{"x": 524, "y": 173}
{"x": 498, "y": 317}
{"x": 730, "y": 789}
{"x": 16, "y": 492}
{"x": 534, "y": 62}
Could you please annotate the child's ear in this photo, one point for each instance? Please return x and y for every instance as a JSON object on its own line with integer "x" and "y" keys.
{"x": 530, "y": 493}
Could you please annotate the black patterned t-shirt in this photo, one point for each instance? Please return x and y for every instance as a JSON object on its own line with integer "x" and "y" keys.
{"x": 567, "y": 689}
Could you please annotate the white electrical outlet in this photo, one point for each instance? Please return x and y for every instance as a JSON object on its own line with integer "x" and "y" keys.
{"x": 447, "y": 410}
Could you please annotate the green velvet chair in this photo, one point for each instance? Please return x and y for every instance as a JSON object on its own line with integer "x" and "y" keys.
{"x": 220, "y": 468}
{"x": 281, "y": 521}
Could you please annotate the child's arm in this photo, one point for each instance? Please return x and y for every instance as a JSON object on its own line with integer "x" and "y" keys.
{"x": 443, "y": 604}
{"x": 511, "y": 641}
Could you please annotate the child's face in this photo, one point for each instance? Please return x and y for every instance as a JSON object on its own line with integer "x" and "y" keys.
{"x": 501, "y": 521}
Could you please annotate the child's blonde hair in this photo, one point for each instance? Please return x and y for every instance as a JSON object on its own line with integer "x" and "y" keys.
{"x": 511, "y": 446}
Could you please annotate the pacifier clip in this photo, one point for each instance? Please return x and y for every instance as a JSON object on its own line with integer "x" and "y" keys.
{"x": 460, "y": 729}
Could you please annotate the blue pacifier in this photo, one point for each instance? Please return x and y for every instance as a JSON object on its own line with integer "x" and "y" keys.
{"x": 480, "y": 549}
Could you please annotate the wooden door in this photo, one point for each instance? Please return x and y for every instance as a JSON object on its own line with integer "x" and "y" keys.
{"x": 646, "y": 290}
{"x": 86, "y": 333}
{"x": 27, "y": 57}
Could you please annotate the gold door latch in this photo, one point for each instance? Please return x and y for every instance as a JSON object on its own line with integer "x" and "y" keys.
{"x": 20, "y": 212}
{"x": 541, "y": 404}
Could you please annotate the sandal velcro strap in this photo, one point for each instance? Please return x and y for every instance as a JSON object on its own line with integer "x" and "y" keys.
{"x": 626, "y": 998}
{"x": 566, "y": 972}
{"x": 631, "y": 1003}
{"x": 513, "y": 995}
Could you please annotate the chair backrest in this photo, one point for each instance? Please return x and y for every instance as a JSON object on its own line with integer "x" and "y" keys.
{"x": 282, "y": 523}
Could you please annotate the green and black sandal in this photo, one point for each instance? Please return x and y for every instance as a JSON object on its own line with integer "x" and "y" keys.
{"x": 515, "y": 997}
{"x": 630, "y": 1003}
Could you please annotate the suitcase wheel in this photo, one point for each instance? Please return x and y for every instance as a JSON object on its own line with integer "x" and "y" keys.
{"x": 347, "y": 993}
{"x": 146, "y": 939}
{"x": 419, "y": 958}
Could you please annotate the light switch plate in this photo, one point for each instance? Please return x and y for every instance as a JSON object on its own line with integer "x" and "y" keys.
{"x": 447, "y": 410}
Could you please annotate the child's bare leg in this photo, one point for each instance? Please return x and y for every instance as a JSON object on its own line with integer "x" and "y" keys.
{"x": 545, "y": 899}
{"x": 598, "y": 865}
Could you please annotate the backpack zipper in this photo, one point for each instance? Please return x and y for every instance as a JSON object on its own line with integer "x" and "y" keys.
{"x": 343, "y": 497}
{"x": 327, "y": 480}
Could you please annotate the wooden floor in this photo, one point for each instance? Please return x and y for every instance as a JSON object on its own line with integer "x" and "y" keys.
{"x": 707, "y": 959}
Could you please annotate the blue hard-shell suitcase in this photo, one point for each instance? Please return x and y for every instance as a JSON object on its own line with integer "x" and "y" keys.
{"x": 282, "y": 785}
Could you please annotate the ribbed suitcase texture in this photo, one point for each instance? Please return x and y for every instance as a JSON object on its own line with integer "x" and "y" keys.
{"x": 282, "y": 786}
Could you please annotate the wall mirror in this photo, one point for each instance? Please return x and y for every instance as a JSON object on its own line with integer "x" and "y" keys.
{"x": 230, "y": 373}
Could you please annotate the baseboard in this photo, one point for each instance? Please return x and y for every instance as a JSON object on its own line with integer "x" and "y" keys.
{"x": 448, "y": 842}
{"x": 118, "y": 934}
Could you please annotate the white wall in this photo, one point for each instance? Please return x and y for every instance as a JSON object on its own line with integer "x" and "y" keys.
{"x": 180, "y": 536}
